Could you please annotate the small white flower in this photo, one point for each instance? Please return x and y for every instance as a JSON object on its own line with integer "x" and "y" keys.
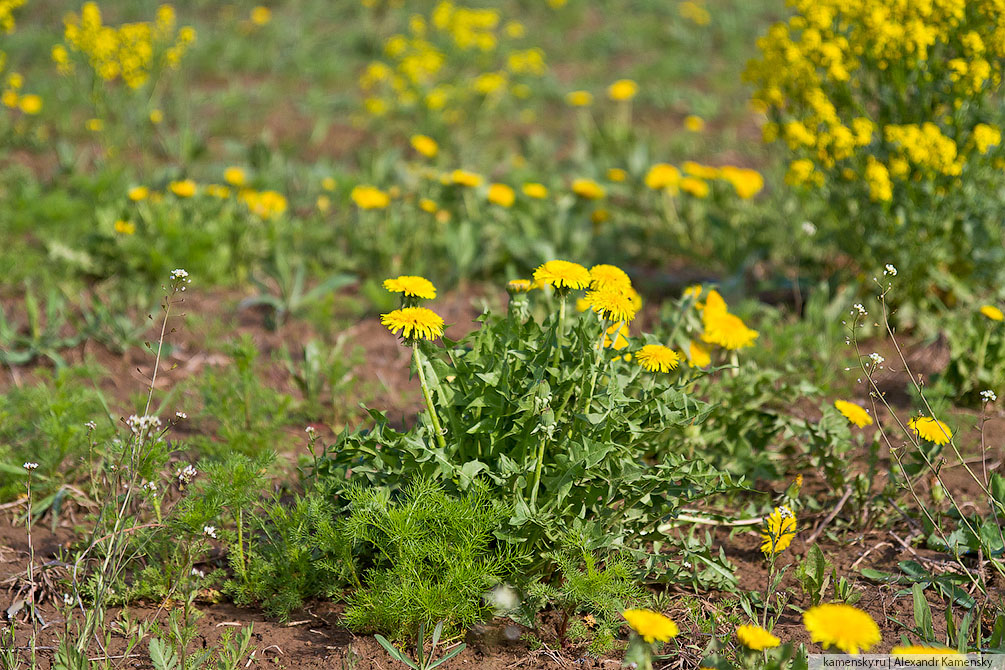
{"x": 29, "y": 466}
{"x": 186, "y": 474}
{"x": 876, "y": 358}
{"x": 310, "y": 430}
{"x": 180, "y": 415}
{"x": 809, "y": 228}
{"x": 989, "y": 395}
{"x": 178, "y": 273}
{"x": 858, "y": 307}
{"x": 143, "y": 424}
{"x": 69, "y": 600}
{"x": 90, "y": 425}
{"x": 150, "y": 486}
{"x": 209, "y": 531}
{"x": 890, "y": 270}
{"x": 198, "y": 573}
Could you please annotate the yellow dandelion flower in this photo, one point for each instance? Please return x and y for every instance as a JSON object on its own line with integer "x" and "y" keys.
{"x": 95, "y": 125}
{"x": 930, "y": 429}
{"x": 588, "y": 189}
{"x": 726, "y": 330}
{"x": 465, "y": 178}
{"x": 156, "y": 117}
{"x": 617, "y": 337}
{"x": 611, "y": 303}
{"x": 778, "y": 530}
{"x": 260, "y": 16}
{"x": 217, "y": 191}
{"x": 137, "y": 193}
{"x": 425, "y": 145}
{"x": 922, "y": 650}
{"x": 651, "y": 626}
{"x": 30, "y": 104}
{"x": 848, "y": 628}
{"x": 746, "y": 182}
{"x": 579, "y": 98}
{"x": 617, "y": 175}
{"x": 369, "y": 197}
{"x": 234, "y": 176}
{"x": 698, "y": 356}
{"x": 563, "y": 275}
{"x": 657, "y": 358}
{"x": 125, "y": 227}
{"x": 411, "y": 286}
{"x": 662, "y": 176}
{"x": 328, "y": 183}
{"x": 501, "y": 194}
{"x": 519, "y": 285}
{"x": 694, "y": 123}
{"x": 323, "y": 203}
{"x": 992, "y": 312}
{"x": 183, "y": 189}
{"x": 694, "y": 186}
{"x": 756, "y": 638}
{"x": 428, "y": 206}
{"x": 535, "y": 190}
{"x": 608, "y": 276}
{"x": 622, "y": 89}
{"x": 414, "y": 323}
{"x": 854, "y": 413}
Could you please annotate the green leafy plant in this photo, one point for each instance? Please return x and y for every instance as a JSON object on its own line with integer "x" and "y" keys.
{"x": 423, "y": 660}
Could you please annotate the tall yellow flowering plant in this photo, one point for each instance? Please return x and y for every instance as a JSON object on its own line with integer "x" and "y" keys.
{"x": 889, "y": 111}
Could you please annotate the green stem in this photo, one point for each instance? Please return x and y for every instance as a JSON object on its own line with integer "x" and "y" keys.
{"x": 559, "y": 330}
{"x": 596, "y": 364}
{"x": 734, "y": 360}
{"x": 771, "y": 578}
{"x": 429, "y": 398}
{"x": 537, "y": 474}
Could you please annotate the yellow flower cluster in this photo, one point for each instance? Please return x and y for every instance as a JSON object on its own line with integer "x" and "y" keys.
{"x": 693, "y": 178}
{"x": 835, "y": 68}
{"x": 266, "y": 204}
{"x": 128, "y": 52}
{"x": 7, "y": 8}
{"x": 429, "y": 66}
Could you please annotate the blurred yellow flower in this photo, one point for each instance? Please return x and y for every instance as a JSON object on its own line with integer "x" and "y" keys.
{"x": 217, "y": 191}
{"x": 465, "y": 178}
{"x": 260, "y": 16}
{"x": 579, "y": 98}
{"x": 156, "y": 116}
{"x": 609, "y": 276}
{"x": 992, "y": 312}
{"x": 31, "y": 104}
{"x": 125, "y": 227}
{"x": 328, "y": 183}
{"x": 756, "y": 638}
{"x": 698, "y": 356}
{"x": 94, "y": 125}
{"x": 617, "y": 175}
{"x": 183, "y": 189}
{"x": 425, "y": 145}
{"x": 694, "y": 123}
{"x": 369, "y": 197}
{"x": 837, "y": 625}
{"x": 323, "y": 203}
{"x": 854, "y": 413}
{"x": 694, "y": 186}
{"x": 622, "y": 89}
{"x": 234, "y": 176}
{"x": 501, "y": 194}
{"x": 137, "y": 193}
{"x": 663, "y": 175}
{"x": 651, "y": 626}
{"x": 588, "y": 189}
{"x": 535, "y": 190}
{"x": 746, "y": 182}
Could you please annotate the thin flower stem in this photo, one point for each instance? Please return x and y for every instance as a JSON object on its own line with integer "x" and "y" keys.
{"x": 537, "y": 474}
{"x": 430, "y": 408}
{"x": 559, "y": 330}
